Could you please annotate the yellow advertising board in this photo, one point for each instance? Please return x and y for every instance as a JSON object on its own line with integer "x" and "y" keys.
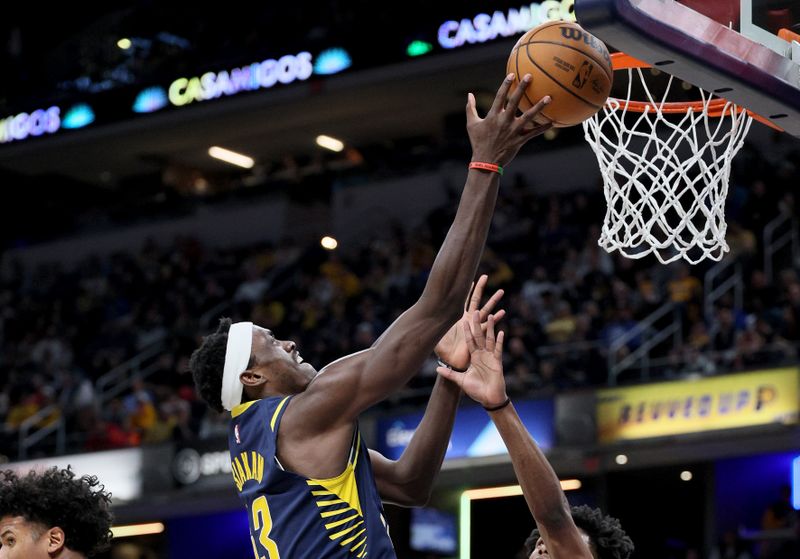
{"x": 692, "y": 406}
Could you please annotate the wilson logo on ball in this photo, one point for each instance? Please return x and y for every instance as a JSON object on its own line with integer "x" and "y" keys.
{"x": 577, "y": 35}
{"x": 583, "y": 74}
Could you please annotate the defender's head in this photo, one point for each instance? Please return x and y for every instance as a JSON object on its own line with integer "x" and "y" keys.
{"x": 52, "y": 515}
{"x": 605, "y": 536}
{"x": 243, "y": 362}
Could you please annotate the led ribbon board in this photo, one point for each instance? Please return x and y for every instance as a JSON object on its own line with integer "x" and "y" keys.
{"x": 674, "y": 408}
{"x": 484, "y": 27}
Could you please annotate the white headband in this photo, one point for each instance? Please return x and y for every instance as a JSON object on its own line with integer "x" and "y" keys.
{"x": 237, "y": 356}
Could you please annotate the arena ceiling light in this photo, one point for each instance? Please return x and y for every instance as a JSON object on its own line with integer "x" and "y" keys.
{"x": 330, "y": 143}
{"x": 329, "y": 243}
{"x": 137, "y": 530}
{"x": 231, "y": 157}
{"x": 124, "y": 44}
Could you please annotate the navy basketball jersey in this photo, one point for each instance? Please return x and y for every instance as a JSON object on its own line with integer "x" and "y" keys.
{"x": 294, "y": 517}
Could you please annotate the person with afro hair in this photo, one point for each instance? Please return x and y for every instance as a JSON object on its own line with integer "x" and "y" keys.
{"x": 606, "y": 538}
{"x": 561, "y": 532}
{"x": 53, "y": 515}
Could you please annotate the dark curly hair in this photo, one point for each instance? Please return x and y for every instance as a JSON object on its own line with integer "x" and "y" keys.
{"x": 605, "y": 532}
{"x": 79, "y": 506}
{"x": 207, "y": 364}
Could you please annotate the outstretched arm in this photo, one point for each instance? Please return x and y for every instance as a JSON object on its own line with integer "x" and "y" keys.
{"x": 484, "y": 383}
{"x": 347, "y": 387}
{"x": 409, "y": 480}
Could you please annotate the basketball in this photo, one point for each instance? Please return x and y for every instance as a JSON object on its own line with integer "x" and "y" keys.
{"x": 567, "y": 63}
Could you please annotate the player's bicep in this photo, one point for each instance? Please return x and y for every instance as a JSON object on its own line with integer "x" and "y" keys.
{"x": 400, "y": 352}
{"x": 324, "y": 405}
{"x": 347, "y": 387}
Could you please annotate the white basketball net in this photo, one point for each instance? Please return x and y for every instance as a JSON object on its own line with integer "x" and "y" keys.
{"x": 665, "y": 176}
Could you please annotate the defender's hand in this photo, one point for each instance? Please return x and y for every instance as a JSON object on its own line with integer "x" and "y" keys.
{"x": 452, "y": 348}
{"x": 483, "y": 381}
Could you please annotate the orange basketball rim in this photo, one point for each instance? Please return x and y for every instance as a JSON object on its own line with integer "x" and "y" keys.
{"x": 716, "y": 107}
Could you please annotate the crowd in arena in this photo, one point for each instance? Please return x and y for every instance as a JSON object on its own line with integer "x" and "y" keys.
{"x": 63, "y": 328}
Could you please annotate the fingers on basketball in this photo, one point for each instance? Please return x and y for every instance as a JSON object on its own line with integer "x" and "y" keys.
{"x": 569, "y": 64}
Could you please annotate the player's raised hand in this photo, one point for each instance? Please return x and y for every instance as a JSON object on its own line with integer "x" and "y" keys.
{"x": 483, "y": 381}
{"x": 453, "y": 348}
{"x": 498, "y": 136}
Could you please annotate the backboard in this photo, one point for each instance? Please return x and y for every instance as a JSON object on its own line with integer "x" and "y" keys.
{"x": 746, "y": 51}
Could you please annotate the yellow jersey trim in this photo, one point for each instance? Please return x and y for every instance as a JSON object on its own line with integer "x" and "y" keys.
{"x": 241, "y": 408}
{"x": 344, "y": 523}
{"x": 351, "y": 538}
{"x": 277, "y": 411}
{"x": 338, "y": 535}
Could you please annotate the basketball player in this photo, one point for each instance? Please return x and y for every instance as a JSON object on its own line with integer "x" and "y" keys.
{"x": 298, "y": 460}
{"x": 52, "y": 515}
{"x": 562, "y": 532}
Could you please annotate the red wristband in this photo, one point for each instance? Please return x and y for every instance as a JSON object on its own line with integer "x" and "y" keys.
{"x": 487, "y": 167}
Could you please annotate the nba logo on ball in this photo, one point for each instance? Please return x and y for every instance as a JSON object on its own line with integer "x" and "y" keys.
{"x": 561, "y": 58}
{"x": 582, "y": 75}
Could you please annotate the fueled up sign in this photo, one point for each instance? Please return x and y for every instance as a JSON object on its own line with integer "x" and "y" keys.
{"x": 486, "y": 27}
{"x": 693, "y": 406}
{"x": 259, "y": 75}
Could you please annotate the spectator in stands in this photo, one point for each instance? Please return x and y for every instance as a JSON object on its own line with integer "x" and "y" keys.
{"x": 760, "y": 294}
{"x": 749, "y": 346}
{"x": 724, "y": 331}
{"x": 18, "y": 412}
{"x": 539, "y": 284}
{"x": 144, "y": 415}
{"x": 683, "y": 288}
{"x": 106, "y": 435}
{"x": 71, "y": 326}
{"x": 780, "y": 521}
{"x": 520, "y": 366}
{"x": 790, "y": 322}
{"x": 620, "y": 326}
{"x": 742, "y": 242}
{"x": 561, "y": 328}
{"x": 648, "y": 295}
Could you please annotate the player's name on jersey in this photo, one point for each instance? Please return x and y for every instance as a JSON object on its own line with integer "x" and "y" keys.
{"x": 248, "y": 466}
